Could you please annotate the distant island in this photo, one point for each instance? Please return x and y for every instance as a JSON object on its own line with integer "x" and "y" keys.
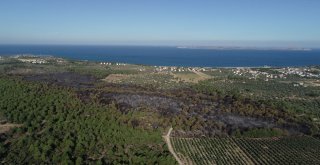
{"x": 243, "y": 48}
{"x": 196, "y": 55}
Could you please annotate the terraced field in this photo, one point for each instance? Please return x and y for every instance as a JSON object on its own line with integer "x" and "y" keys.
{"x": 290, "y": 150}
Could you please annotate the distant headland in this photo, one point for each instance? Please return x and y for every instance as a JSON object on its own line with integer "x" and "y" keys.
{"x": 243, "y": 48}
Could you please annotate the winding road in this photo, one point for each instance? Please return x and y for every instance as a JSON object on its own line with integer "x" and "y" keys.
{"x": 167, "y": 140}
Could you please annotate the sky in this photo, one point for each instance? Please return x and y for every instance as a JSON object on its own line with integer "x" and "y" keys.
{"x": 294, "y": 23}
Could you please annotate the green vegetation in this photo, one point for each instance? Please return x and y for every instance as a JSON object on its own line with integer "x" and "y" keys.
{"x": 58, "y": 128}
{"x": 298, "y": 99}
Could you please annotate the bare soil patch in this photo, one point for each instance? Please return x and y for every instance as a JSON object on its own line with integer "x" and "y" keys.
{"x": 192, "y": 77}
{"x": 7, "y": 126}
{"x": 115, "y": 77}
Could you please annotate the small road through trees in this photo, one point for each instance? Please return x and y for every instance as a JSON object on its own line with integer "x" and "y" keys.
{"x": 167, "y": 140}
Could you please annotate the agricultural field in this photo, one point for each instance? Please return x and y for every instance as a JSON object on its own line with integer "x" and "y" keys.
{"x": 291, "y": 150}
{"x": 209, "y": 151}
{"x": 191, "y": 77}
{"x": 281, "y": 150}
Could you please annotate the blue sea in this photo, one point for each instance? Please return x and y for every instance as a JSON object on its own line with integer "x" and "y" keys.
{"x": 172, "y": 56}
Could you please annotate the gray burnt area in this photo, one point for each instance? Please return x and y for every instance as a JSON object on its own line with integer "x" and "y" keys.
{"x": 216, "y": 121}
{"x": 170, "y": 107}
{"x": 242, "y": 122}
{"x": 164, "y": 105}
{"x": 69, "y": 79}
{"x": 183, "y": 103}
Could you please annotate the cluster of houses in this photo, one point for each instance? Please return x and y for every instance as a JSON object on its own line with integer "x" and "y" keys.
{"x": 60, "y": 60}
{"x": 302, "y": 72}
{"x": 179, "y": 69}
{"x": 254, "y": 74}
{"x": 109, "y": 63}
{"x": 284, "y": 72}
{"x": 33, "y": 60}
{"x": 28, "y": 58}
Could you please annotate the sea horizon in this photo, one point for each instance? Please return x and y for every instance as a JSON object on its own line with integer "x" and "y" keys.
{"x": 161, "y": 55}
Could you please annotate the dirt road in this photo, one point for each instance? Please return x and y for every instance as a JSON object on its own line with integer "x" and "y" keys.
{"x": 167, "y": 140}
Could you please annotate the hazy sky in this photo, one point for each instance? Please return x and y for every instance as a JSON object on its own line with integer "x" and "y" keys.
{"x": 217, "y": 22}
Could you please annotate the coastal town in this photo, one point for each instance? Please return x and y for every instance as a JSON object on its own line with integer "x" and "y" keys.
{"x": 280, "y": 73}
{"x": 267, "y": 73}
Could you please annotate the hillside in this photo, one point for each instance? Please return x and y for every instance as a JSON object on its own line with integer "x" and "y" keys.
{"x": 58, "y": 111}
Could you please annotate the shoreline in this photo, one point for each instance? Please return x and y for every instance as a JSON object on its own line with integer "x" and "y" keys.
{"x": 29, "y": 55}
